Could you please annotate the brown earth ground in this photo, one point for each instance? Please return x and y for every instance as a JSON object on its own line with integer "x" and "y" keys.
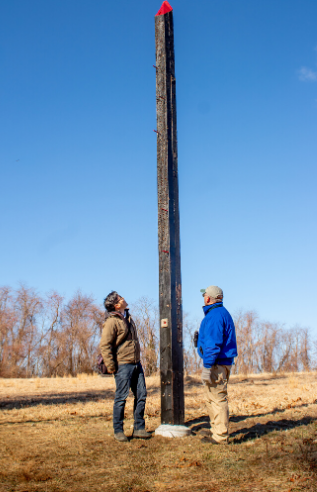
{"x": 56, "y": 435}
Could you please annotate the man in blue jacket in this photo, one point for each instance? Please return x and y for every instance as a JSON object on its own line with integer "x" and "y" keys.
{"x": 217, "y": 346}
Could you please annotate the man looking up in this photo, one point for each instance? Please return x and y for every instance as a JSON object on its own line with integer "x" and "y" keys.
{"x": 120, "y": 350}
{"x": 217, "y": 346}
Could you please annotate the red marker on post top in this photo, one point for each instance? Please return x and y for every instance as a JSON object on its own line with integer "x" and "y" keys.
{"x": 165, "y": 8}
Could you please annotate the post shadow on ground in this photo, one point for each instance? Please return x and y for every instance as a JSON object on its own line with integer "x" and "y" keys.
{"x": 259, "y": 430}
{"x": 256, "y": 430}
{"x": 264, "y": 380}
{"x": 259, "y": 380}
{"x": 55, "y": 399}
{"x": 203, "y": 421}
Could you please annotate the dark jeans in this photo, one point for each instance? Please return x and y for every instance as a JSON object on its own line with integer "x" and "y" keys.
{"x": 129, "y": 376}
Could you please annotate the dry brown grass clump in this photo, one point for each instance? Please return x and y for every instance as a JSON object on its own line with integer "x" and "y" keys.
{"x": 56, "y": 435}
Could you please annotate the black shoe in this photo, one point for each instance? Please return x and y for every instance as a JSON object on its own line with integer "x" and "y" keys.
{"x": 119, "y": 436}
{"x": 142, "y": 434}
{"x": 205, "y": 432}
{"x": 209, "y": 440}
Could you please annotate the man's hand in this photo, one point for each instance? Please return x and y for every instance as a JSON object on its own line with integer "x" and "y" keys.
{"x": 195, "y": 338}
{"x": 112, "y": 371}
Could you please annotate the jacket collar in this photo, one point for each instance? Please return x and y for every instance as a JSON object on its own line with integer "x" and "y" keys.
{"x": 206, "y": 309}
{"x": 120, "y": 315}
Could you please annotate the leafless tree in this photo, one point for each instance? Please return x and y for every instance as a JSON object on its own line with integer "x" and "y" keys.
{"x": 18, "y": 327}
{"x": 79, "y": 335}
{"x": 49, "y": 345}
{"x": 192, "y": 361}
{"x": 8, "y": 321}
{"x": 145, "y": 315}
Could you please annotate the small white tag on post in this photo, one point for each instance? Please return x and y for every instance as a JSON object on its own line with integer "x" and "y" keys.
{"x": 164, "y": 323}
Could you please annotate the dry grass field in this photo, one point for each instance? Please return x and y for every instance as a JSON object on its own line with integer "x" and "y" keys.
{"x": 56, "y": 435}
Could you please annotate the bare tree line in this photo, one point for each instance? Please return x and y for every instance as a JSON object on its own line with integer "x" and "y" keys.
{"x": 270, "y": 347}
{"x": 46, "y": 336}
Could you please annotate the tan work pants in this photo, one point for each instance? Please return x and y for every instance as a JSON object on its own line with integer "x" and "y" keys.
{"x": 216, "y": 394}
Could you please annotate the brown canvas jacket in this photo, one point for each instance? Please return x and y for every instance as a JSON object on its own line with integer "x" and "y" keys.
{"x": 116, "y": 328}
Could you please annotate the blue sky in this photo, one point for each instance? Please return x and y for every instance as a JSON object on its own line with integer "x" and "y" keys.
{"x": 78, "y": 151}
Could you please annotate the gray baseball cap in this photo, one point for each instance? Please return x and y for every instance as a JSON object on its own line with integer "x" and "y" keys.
{"x": 213, "y": 291}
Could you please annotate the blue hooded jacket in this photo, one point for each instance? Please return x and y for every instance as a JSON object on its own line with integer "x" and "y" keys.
{"x": 217, "y": 342}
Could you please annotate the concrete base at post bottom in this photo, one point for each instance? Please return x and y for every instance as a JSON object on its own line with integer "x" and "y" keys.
{"x": 167, "y": 430}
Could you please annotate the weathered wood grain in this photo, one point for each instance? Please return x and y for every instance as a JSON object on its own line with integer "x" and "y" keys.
{"x": 170, "y": 289}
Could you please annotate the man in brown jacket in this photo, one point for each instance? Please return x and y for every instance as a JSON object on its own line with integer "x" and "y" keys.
{"x": 120, "y": 350}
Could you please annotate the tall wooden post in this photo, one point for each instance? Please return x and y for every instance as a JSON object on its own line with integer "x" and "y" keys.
{"x": 170, "y": 289}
